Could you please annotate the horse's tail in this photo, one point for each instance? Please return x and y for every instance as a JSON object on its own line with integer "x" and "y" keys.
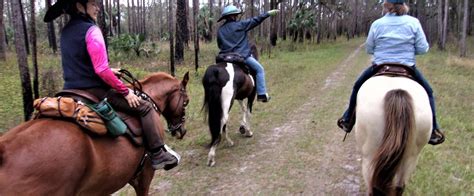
{"x": 212, "y": 101}
{"x": 399, "y": 122}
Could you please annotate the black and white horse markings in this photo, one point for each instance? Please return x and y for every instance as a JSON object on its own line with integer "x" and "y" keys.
{"x": 223, "y": 83}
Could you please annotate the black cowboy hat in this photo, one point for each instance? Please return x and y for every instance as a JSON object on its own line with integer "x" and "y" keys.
{"x": 59, "y": 8}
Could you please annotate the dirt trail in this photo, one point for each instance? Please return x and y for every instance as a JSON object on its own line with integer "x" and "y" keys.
{"x": 298, "y": 156}
{"x": 335, "y": 170}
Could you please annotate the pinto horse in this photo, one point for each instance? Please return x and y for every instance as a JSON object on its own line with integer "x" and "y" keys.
{"x": 393, "y": 125}
{"x": 223, "y": 83}
{"x": 56, "y": 157}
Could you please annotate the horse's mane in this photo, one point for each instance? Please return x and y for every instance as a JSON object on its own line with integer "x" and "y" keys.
{"x": 155, "y": 77}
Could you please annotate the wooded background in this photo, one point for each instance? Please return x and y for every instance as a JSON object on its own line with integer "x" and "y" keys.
{"x": 139, "y": 26}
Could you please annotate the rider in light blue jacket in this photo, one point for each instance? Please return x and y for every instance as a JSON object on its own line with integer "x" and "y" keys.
{"x": 232, "y": 37}
{"x": 394, "y": 38}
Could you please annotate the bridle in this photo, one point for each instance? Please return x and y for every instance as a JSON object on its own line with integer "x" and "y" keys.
{"x": 172, "y": 128}
{"x": 137, "y": 89}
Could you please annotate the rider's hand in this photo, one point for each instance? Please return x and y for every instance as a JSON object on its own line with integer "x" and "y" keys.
{"x": 273, "y": 12}
{"x": 116, "y": 71}
{"x": 132, "y": 99}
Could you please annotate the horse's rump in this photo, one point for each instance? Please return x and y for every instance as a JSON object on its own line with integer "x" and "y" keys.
{"x": 399, "y": 123}
{"x": 393, "y": 124}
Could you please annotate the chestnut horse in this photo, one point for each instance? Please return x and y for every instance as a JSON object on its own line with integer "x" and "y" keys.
{"x": 393, "y": 125}
{"x": 224, "y": 82}
{"x": 56, "y": 157}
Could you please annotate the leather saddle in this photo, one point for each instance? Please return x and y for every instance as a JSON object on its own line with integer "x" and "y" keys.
{"x": 394, "y": 69}
{"x": 234, "y": 58}
{"x": 134, "y": 131}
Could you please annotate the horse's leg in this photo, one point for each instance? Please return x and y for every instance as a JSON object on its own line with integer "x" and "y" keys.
{"x": 141, "y": 184}
{"x": 244, "y": 125}
{"x": 227, "y": 96}
{"x": 211, "y": 161}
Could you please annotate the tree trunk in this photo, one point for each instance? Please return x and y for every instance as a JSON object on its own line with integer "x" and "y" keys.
{"x": 171, "y": 33}
{"x": 129, "y": 17}
{"x": 445, "y": 23}
{"x": 273, "y": 24}
{"x": 180, "y": 29}
{"x": 196, "y": 34}
{"x": 464, "y": 29}
{"x": 440, "y": 24}
{"x": 2, "y": 35}
{"x": 34, "y": 49}
{"x": 51, "y": 32}
{"x": 21, "y": 54}
{"x": 101, "y": 20}
{"x": 211, "y": 22}
{"x": 27, "y": 45}
{"x": 119, "y": 28}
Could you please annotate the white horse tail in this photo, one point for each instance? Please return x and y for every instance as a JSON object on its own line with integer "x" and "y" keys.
{"x": 399, "y": 122}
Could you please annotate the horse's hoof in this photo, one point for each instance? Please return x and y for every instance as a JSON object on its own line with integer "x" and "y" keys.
{"x": 211, "y": 163}
{"x": 242, "y": 129}
{"x": 249, "y": 134}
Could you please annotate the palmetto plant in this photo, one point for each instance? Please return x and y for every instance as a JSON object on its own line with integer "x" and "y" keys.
{"x": 125, "y": 43}
{"x": 303, "y": 20}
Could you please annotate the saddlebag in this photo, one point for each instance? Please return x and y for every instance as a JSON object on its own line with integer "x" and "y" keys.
{"x": 68, "y": 108}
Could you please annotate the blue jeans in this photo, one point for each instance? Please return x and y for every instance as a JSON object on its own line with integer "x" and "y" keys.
{"x": 369, "y": 72}
{"x": 258, "y": 68}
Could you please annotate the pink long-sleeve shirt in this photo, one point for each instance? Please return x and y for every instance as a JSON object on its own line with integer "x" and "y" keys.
{"x": 98, "y": 53}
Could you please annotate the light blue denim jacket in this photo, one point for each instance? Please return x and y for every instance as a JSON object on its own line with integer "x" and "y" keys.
{"x": 396, "y": 39}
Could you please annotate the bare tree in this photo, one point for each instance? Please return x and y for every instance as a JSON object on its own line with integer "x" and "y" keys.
{"x": 171, "y": 33}
{"x": 464, "y": 29}
{"x": 21, "y": 54}
{"x": 181, "y": 29}
{"x": 51, "y": 32}
{"x": 211, "y": 22}
{"x": 129, "y": 17}
{"x": 119, "y": 30}
{"x": 34, "y": 49}
{"x": 2, "y": 34}
{"x": 196, "y": 34}
{"x": 25, "y": 32}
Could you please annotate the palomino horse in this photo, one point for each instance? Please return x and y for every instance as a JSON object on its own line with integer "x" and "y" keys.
{"x": 56, "y": 157}
{"x": 224, "y": 82}
{"x": 392, "y": 126}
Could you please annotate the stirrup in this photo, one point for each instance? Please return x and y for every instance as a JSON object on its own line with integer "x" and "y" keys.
{"x": 345, "y": 126}
{"x": 437, "y": 137}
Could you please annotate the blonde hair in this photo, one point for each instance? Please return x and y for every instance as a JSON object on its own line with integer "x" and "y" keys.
{"x": 399, "y": 9}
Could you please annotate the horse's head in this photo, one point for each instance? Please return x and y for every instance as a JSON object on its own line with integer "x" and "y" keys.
{"x": 175, "y": 109}
{"x": 171, "y": 99}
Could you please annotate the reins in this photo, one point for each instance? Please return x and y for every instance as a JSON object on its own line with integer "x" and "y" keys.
{"x": 137, "y": 88}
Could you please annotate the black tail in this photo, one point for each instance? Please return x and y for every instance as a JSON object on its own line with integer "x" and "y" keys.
{"x": 213, "y": 81}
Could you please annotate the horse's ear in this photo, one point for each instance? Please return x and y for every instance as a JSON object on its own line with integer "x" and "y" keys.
{"x": 185, "y": 79}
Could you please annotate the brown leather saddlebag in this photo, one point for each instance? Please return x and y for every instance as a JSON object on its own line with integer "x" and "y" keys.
{"x": 68, "y": 108}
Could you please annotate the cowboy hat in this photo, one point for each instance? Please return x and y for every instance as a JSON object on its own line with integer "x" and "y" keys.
{"x": 59, "y": 8}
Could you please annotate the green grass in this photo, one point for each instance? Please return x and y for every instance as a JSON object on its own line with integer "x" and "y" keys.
{"x": 447, "y": 169}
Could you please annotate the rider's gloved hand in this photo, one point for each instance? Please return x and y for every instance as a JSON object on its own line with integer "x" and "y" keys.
{"x": 273, "y": 12}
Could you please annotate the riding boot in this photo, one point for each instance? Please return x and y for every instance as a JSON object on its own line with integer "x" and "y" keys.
{"x": 162, "y": 157}
{"x": 437, "y": 137}
{"x": 345, "y": 124}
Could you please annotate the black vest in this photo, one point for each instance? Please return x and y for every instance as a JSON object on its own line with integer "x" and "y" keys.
{"x": 78, "y": 71}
